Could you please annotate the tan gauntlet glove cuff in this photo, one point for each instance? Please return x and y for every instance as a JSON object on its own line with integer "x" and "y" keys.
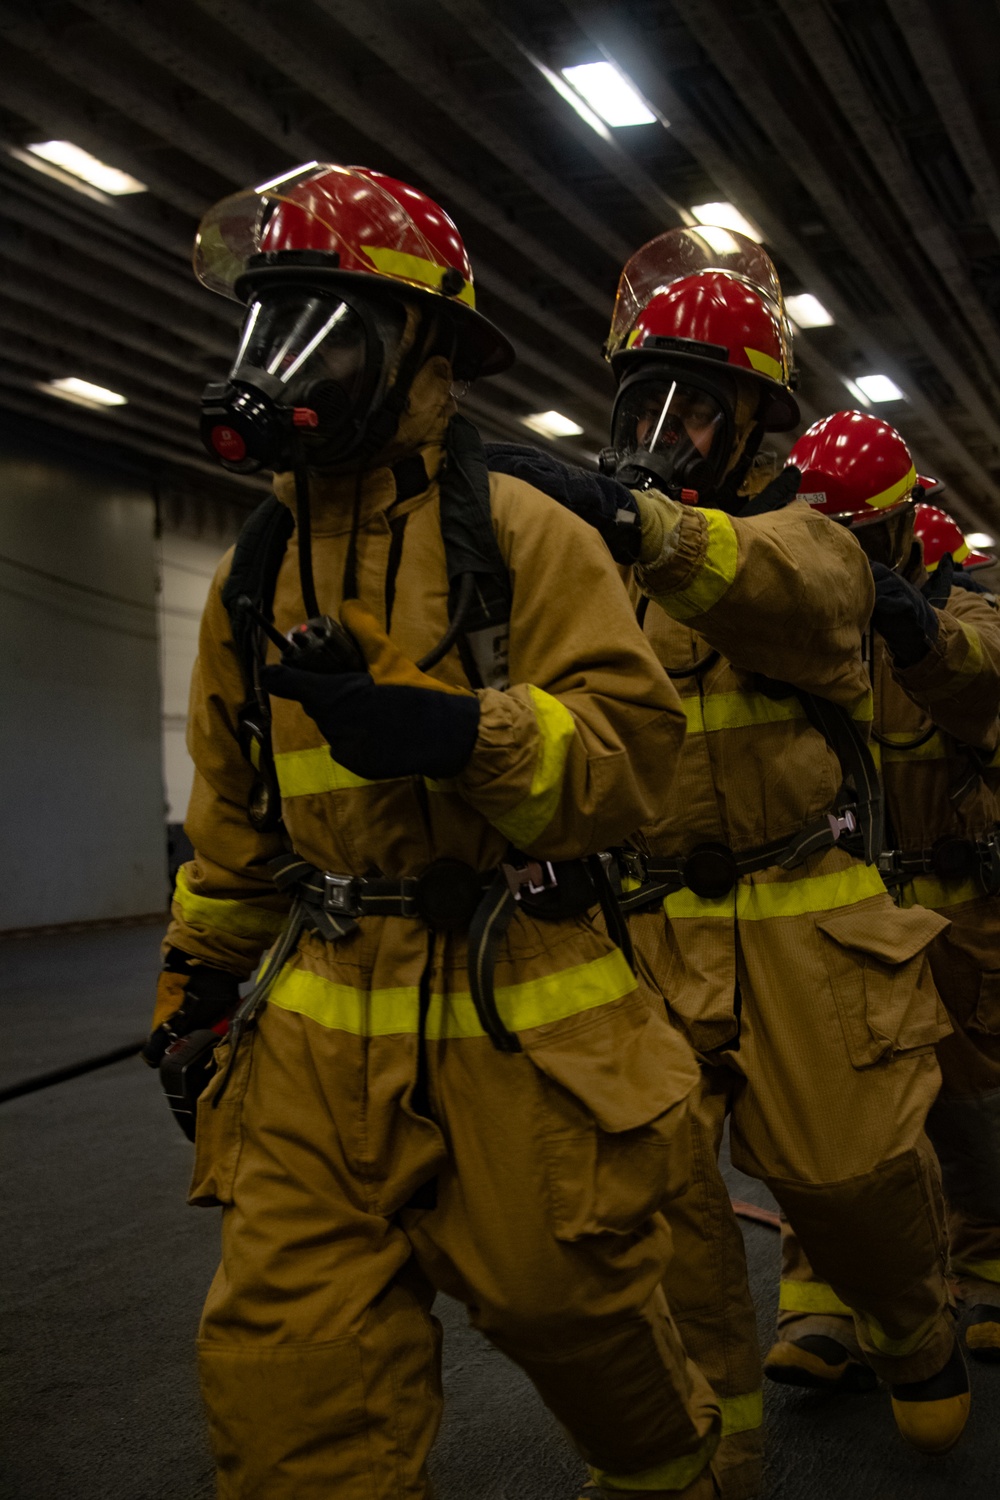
{"x": 660, "y": 519}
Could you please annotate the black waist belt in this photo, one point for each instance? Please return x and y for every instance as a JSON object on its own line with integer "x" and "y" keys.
{"x": 712, "y": 870}
{"x": 450, "y": 896}
{"x": 948, "y": 858}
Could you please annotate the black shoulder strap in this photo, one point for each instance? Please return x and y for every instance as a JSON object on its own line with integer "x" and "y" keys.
{"x": 260, "y": 547}
{"x": 850, "y": 747}
{"x": 472, "y": 553}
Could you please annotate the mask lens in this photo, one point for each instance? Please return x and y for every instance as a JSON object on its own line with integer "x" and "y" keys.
{"x": 677, "y": 422}
{"x": 297, "y": 340}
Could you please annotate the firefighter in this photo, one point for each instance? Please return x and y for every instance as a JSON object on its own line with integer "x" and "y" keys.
{"x": 804, "y": 990}
{"x": 936, "y": 673}
{"x": 417, "y": 1095}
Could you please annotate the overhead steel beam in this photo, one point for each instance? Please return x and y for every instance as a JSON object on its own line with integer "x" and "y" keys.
{"x": 604, "y": 24}
{"x": 508, "y": 47}
{"x": 929, "y": 48}
{"x": 142, "y": 410}
{"x": 811, "y": 23}
{"x": 711, "y": 27}
{"x": 379, "y": 29}
{"x": 158, "y": 38}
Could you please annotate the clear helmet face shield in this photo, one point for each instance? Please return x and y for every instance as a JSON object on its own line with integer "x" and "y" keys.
{"x": 675, "y": 433}
{"x": 310, "y": 365}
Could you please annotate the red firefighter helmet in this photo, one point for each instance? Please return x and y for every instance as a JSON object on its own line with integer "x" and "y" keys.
{"x": 855, "y": 467}
{"x": 708, "y": 299}
{"x": 345, "y": 224}
{"x": 938, "y": 534}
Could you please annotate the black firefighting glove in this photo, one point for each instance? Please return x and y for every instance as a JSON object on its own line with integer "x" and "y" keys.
{"x": 596, "y": 498}
{"x": 382, "y": 730}
{"x": 903, "y": 617}
{"x": 190, "y": 996}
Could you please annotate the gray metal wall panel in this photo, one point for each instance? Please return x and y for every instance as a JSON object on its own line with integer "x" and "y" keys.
{"x": 81, "y": 780}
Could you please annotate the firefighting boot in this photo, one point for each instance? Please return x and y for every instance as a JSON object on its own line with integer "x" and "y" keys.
{"x": 982, "y": 1333}
{"x": 820, "y": 1353}
{"x": 931, "y": 1414}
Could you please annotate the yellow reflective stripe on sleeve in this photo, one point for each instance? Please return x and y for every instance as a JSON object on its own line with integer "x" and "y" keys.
{"x": 972, "y": 666}
{"x": 986, "y": 1270}
{"x": 556, "y": 732}
{"x": 927, "y": 890}
{"x": 714, "y": 576}
{"x": 394, "y": 1012}
{"x": 675, "y": 1474}
{"x": 303, "y": 772}
{"x": 415, "y": 269}
{"x": 741, "y": 1413}
{"x": 766, "y": 900}
{"x": 238, "y": 918}
{"x": 810, "y": 1297}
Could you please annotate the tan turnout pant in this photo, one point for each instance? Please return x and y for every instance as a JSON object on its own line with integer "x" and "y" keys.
{"x": 319, "y": 1356}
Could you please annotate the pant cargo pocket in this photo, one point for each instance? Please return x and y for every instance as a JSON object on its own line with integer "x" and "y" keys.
{"x": 219, "y": 1128}
{"x": 613, "y": 1126}
{"x": 881, "y": 978}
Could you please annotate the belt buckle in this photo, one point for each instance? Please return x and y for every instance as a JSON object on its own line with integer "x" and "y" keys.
{"x": 888, "y": 864}
{"x": 847, "y": 823}
{"x": 538, "y": 875}
{"x": 340, "y": 895}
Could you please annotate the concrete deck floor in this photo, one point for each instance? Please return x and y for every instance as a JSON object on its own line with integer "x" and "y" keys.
{"x": 105, "y": 1269}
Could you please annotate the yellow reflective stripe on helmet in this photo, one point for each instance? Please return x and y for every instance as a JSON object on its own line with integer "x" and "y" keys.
{"x": 238, "y": 918}
{"x": 810, "y": 1297}
{"x": 895, "y": 492}
{"x": 556, "y": 732}
{"x": 712, "y": 578}
{"x": 928, "y": 890}
{"x": 675, "y": 1474}
{"x": 765, "y": 900}
{"x": 414, "y": 269}
{"x": 393, "y": 1012}
{"x": 959, "y": 555}
{"x": 986, "y": 1270}
{"x": 741, "y": 1413}
{"x": 765, "y": 363}
{"x": 304, "y": 772}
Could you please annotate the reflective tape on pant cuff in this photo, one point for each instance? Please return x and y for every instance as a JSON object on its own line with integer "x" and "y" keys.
{"x": 741, "y": 1413}
{"x": 810, "y": 1297}
{"x": 675, "y": 1474}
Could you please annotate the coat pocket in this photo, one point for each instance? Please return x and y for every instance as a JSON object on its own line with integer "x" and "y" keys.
{"x": 881, "y": 978}
{"x": 218, "y": 1137}
{"x": 612, "y": 1118}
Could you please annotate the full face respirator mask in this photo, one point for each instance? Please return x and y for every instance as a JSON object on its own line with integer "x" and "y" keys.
{"x": 310, "y": 381}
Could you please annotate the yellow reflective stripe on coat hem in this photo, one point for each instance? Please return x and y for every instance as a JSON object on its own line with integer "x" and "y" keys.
{"x": 675, "y": 1474}
{"x": 303, "y": 773}
{"x": 810, "y": 1297}
{"x": 395, "y": 1012}
{"x": 237, "y": 918}
{"x": 712, "y": 578}
{"x": 741, "y": 1413}
{"x": 556, "y": 732}
{"x": 765, "y": 900}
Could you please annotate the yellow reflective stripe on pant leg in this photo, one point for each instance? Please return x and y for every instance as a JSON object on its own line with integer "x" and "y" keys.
{"x": 556, "y": 732}
{"x": 301, "y": 773}
{"x": 675, "y": 1474}
{"x": 712, "y": 578}
{"x": 239, "y": 918}
{"x": 741, "y": 1413}
{"x": 986, "y": 1270}
{"x": 393, "y": 1012}
{"x": 810, "y": 1297}
{"x": 894, "y": 1348}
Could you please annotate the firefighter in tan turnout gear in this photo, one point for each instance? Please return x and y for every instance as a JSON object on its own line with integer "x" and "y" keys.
{"x": 936, "y": 674}
{"x": 448, "y": 1078}
{"x": 805, "y": 991}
